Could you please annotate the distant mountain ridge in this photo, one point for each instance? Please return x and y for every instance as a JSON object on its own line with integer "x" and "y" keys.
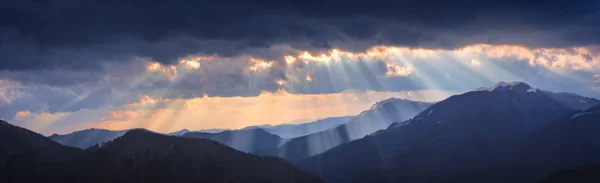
{"x": 378, "y": 117}
{"x": 179, "y": 133}
{"x": 297, "y": 130}
{"x": 266, "y": 141}
{"x": 89, "y": 137}
{"x": 248, "y": 140}
{"x": 238, "y": 139}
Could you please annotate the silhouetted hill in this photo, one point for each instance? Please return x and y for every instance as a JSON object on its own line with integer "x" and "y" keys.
{"x": 581, "y": 174}
{"x": 378, "y": 117}
{"x": 160, "y": 158}
{"x": 26, "y": 156}
{"x": 572, "y": 141}
{"x": 460, "y": 134}
{"x": 297, "y": 130}
{"x": 137, "y": 156}
{"x": 249, "y": 140}
{"x": 87, "y": 138}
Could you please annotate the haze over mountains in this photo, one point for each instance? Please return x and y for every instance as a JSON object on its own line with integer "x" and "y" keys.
{"x": 378, "y": 117}
{"x": 184, "y": 131}
{"x": 298, "y": 130}
{"x": 89, "y": 137}
{"x": 326, "y": 133}
{"x": 249, "y": 140}
{"x": 509, "y": 132}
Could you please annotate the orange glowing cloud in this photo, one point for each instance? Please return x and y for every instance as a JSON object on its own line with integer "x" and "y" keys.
{"x": 41, "y": 122}
{"x": 171, "y": 71}
{"x": 394, "y": 70}
{"x": 279, "y": 92}
{"x": 577, "y": 58}
{"x": 260, "y": 64}
{"x": 22, "y": 114}
{"x": 289, "y": 59}
{"x": 168, "y": 71}
{"x": 280, "y": 82}
{"x": 193, "y": 62}
{"x": 308, "y": 78}
{"x": 145, "y": 99}
{"x": 475, "y": 62}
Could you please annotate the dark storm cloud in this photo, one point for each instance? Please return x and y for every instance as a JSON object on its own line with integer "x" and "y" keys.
{"x": 75, "y": 34}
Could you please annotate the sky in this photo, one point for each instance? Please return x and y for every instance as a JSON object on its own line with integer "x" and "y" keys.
{"x": 68, "y": 65}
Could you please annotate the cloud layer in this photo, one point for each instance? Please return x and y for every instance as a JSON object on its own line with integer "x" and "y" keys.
{"x": 380, "y": 68}
{"x": 79, "y": 34}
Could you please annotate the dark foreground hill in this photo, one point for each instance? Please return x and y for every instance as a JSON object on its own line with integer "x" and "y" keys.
{"x": 572, "y": 141}
{"x": 137, "y": 156}
{"x": 581, "y": 174}
{"x": 246, "y": 140}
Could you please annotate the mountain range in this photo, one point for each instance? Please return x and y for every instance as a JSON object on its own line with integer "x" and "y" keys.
{"x": 86, "y": 138}
{"x": 378, "y": 117}
{"x": 137, "y": 156}
{"x": 289, "y": 131}
{"x": 509, "y": 132}
{"x": 184, "y": 131}
{"x": 259, "y": 140}
{"x": 473, "y": 137}
{"x": 89, "y": 137}
{"x": 326, "y": 133}
{"x": 249, "y": 140}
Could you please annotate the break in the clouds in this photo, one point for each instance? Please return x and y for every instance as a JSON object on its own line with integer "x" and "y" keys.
{"x": 166, "y": 115}
{"x": 70, "y": 57}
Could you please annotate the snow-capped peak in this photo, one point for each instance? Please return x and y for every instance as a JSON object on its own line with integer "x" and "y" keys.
{"x": 503, "y": 86}
{"x": 394, "y": 100}
{"x": 378, "y": 104}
